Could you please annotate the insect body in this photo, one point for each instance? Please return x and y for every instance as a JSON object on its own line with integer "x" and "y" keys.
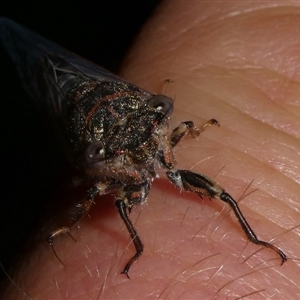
{"x": 115, "y": 132}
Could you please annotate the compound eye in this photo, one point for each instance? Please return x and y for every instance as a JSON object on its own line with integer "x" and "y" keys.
{"x": 162, "y": 103}
{"x": 95, "y": 155}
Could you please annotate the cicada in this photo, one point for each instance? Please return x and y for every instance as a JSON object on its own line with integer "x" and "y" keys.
{"x": 116, "y": 133}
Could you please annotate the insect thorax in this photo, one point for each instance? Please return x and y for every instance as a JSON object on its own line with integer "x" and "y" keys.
{"x": 116, "y": 114}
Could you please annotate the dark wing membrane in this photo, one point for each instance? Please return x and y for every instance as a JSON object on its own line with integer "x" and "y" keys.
{"x": 39, "y": 61}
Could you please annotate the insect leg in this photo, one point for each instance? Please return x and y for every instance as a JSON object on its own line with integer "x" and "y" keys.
{"x": 204, "y": 186}
{"x": 139, "y": 247}
{"x": 132, "y": 195}
{"x": 80, "y": 210}
{"x": 188, "y": 127}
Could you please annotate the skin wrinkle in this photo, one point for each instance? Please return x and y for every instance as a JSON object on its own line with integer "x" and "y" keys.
{"x": 245, "y": 112}
{"x": 290, "y": 171}
{"x": 228, "y": 41}
{"x": 273, "y": 87}
{"x": 260, "y": 88}
{"x": 250, "y": 294}
{"x": 234, "y": 149}
{"x": 292, "y": 164}
{"x": 177, "y": 278}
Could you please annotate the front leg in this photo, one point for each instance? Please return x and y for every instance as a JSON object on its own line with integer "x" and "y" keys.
{"x": 204, "y": 186}
{"x": 139, "y": 247}
{"x": 165, "y": 154}
{"x": 79, "y": 210}
{"x": 127, "y": 199}
{"x": 188, "y": 127}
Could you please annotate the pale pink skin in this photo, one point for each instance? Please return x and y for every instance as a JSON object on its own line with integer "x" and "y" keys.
{"x": 238, "y": 62}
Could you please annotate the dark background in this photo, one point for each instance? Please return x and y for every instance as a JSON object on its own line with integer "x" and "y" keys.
{"x": 31, "y": 162}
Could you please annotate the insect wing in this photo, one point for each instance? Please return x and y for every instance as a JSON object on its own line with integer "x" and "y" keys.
{"x": 41, "y": 62}
{"x": 49, "y": 71}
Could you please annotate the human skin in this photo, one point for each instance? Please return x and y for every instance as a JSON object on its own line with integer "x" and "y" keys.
{"x": 237, "y": 62}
